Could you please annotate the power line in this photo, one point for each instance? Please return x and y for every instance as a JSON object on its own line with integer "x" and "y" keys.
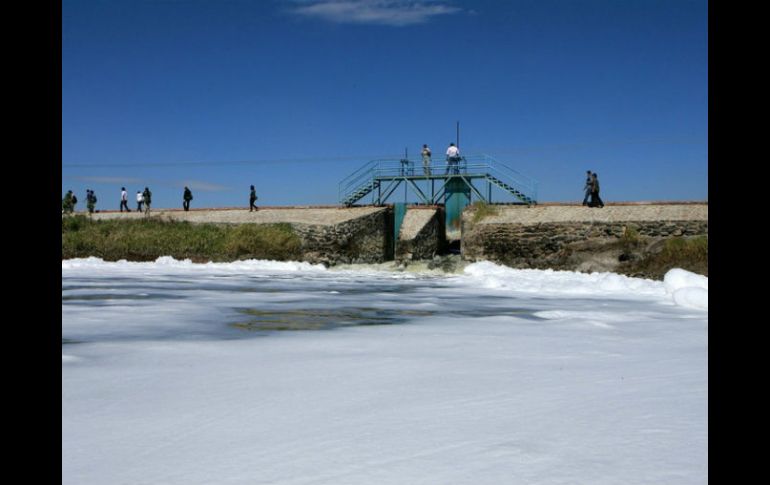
{"x": 229, "y": 162}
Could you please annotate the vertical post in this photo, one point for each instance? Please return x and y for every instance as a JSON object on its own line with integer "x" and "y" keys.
{"x": 458, "y": 136}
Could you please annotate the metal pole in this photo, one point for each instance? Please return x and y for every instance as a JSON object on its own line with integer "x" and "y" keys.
{"x": 457, "y": 140}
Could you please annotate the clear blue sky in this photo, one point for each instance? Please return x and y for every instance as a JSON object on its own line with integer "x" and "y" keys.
{"x": 294, "y": 95}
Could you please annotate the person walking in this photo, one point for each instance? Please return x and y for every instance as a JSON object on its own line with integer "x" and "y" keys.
{"x": 426, "y": 154}
{"x": 452, "y": 159}
{"x": 66, "y": 203}
{"x": 596, "y": 201}
{"x": 124, "y": 200}
{"x": 253, "y": 198}
{"x": 187, "y": 197}
{"x": 139, "y": 201}
{"x": 147, "y": 199}
{"x": 90, "y": 201}
{"x": 587, "y": 188}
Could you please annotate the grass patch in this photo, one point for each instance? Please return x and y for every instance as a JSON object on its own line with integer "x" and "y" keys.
{"x": 482, "y": 210}
{"x": 690, "y": 253}
{"x": 149, "y": 238}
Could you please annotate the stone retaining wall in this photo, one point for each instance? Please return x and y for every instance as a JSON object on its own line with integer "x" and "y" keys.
{"x": 367, "y": 239}
{"x": 548, "y": 239}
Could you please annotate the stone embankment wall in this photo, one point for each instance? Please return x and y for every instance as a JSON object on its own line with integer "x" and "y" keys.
{"x": 574, "y": 237}
{"x": 329, "y": 235}
{"x": 556, "y": 236}
{"x": 366, "y": 239}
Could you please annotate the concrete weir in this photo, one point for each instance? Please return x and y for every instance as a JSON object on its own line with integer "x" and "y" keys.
{"x": 421, "y": 235}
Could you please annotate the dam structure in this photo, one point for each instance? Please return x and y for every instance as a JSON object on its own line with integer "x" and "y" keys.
{"x": 415, "y": 211}
{"x": 451, "y": 185}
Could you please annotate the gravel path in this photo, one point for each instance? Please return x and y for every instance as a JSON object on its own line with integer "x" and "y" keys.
{"x": 609, "y": 213}
{"x": 301, "y": 215}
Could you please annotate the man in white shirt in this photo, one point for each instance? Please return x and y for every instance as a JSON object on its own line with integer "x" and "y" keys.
{"x": 124, "y": 200}
{"x": 452, "y": 159}
{"x": 139, "y": 201}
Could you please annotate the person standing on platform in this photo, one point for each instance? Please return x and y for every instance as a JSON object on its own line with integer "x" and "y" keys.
{"x": 426, "y": 154}
{"x": 452, "y": 159}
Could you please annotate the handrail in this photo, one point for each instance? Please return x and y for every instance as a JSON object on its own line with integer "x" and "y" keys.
{"x": 367, "y": 176}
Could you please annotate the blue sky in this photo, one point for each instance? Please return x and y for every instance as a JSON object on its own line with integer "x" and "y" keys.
{"x": 294, "y": 95}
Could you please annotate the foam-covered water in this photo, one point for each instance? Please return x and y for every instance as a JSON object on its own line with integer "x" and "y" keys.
{"x": 269, "y": 372}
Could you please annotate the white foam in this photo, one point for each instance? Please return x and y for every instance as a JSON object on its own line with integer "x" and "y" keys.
{"x": 495, "y": 276}
{"x": 166, "y": 263}
{"x": 600, "y": 392}
{"x": 687, "y": 289}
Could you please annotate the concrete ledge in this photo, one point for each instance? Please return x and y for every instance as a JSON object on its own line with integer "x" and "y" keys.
{"x": 608, "y": 214}
{"x": 324, "y": 216}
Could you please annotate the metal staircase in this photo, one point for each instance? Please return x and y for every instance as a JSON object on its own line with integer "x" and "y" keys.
{"x": 381, "y": 178}
{"x": 516, "y": 193}
{"x": 360, "y": 193}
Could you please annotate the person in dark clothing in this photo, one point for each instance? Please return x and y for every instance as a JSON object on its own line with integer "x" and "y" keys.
{"x": 147, "y": 196}
{"x": 66, "y": 204}
{"x": 596, "y": 201}
{"x": 187, "y": 198}
{"x": 587, "y": 188}
{"x": 253, "y": 198}
{"x": 90, "y": 201}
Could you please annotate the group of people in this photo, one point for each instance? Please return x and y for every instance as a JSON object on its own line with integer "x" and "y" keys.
{"x": 70, "y": 200}
{"x": 591, "y": 189}
{"x": 143, "y": 200}
{"x": 452, "y": 159}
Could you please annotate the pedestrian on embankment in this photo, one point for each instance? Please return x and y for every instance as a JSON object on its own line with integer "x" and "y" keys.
{"x": 90, "y": 201}
{"x": 588, "y": 187}
{"x": 187, "y": 197}
{"x": 124, "y": 200}
{"x": 66, "y": 203}
{"x": 253, "y": 198}
{"x": 596, "y": 201}
{"x": 139, "y": 201}
{"x": 147, "y": 196}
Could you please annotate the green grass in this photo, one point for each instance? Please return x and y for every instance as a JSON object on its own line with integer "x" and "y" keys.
{"x": 482, "y": 210}
{"x": 149, "y": 238}
{"x": 689, "y": 253}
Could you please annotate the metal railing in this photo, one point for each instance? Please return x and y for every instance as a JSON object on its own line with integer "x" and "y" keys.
{"x": 367, "y": 177}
